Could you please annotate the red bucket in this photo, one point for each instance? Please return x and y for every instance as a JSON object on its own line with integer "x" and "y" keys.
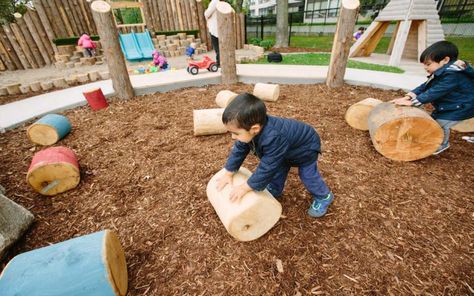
{"x": 96, "y": 99}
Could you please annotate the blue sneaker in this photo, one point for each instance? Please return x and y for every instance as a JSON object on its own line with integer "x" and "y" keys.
{"x": 319, "y": 207}
{"x": 441, "y": 149}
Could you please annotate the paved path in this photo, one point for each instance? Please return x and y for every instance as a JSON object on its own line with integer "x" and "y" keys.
{"x": 16, "y": 113}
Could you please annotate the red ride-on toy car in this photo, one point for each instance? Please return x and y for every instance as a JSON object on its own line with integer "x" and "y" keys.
{"x": 206, "y": 63}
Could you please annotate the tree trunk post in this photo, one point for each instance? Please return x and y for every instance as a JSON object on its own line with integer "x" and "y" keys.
{"x": 102, "y": 13}
{"x": 225, "y": 24}
{"x": 282, "y": 24}
{"x": 342, "y": 43}
{"x": 203, "y": 33}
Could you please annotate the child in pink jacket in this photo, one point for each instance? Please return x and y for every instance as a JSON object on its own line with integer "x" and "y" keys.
{"x": 159, "y": 60}
{"x": 89, "y": 46}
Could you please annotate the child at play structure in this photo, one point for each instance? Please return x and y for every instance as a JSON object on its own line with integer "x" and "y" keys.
{"x": 280, "y": 143}
{"x": 190, "y": 50}
{"x": 159, "y": 60}
{"x": 358, "y": 34}
{"x": 87, "y": 44}
{"x": 449, "y": 88}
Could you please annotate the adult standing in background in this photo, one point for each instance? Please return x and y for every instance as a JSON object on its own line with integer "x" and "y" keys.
{"x": 211, "y": 19}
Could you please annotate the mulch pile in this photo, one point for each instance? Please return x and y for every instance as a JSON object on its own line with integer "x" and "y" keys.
{"x": 395, "y": 228}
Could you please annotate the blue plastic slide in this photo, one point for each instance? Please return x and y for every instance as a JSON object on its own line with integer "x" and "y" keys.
{"x": 145, "y": 44}
{"x": 136, "y": 46}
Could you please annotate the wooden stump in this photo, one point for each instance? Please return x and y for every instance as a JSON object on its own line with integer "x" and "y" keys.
{"x": 104, "y": 75}
{"x": 82, "y": 78}
{"x": 225, "y": 24}
{"x": 71, "y": 80}
{"x": 88, "y": 61}
{"x": 403, "y": 133}
{"x": 46, "y": 85}
{"x": 53, "y": 171}
{"x": 92, "y": 264}
{"x": 208, "y": 122}
{"x": 49, "y": 129}
{"x": 108, "y": 33}
{"x": 357, "y": 115}
{"x": 342, "y": 42}
{"x": 465, "y": 126}
{"x": 35, "y": 86}
{"x": 248, "y": 219}
{"x": 93, "y": 76}
{"x": 224, "y": 97}
{"x": 3, "y": 91}
{"x": 14, "y": 89}
{"x": 267, "y": 92}
{"x": 24, "y": 89}
{"x": 60, "y": 83}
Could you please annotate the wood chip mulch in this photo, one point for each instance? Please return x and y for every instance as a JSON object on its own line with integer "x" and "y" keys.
{"x": 395, "y": 228}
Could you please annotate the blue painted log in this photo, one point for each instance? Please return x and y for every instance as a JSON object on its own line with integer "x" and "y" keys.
{"x": 89, "y": 265}
{"x": 49, "y": 129}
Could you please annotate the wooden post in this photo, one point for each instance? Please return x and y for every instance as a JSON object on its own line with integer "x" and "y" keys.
{"x": 179, "y": 14}
{"x": 86, "y": 16}
{"x": 225, "y": 24}
{"x": 202, "y": 24}
{"x": 43, "y": 33}
{"x": 71, "y": 18}
{"x": 42, "y": 17}
{"x": 9, "y": 49}
{"x": 195, "y": 15}
{"x": 28, "y": 42}
{"x": 48, "y": 8}
{"x": 189, "y": 21}
{"x": 108, "y": 33}
{"x": 342, "y": 42}
{"x": 148, "y": 19}
{"x": 34, "y": 31}
{"x": 5, "y": 57}
{"x": 170, "y": 16}
{"x": 22, "y": 46}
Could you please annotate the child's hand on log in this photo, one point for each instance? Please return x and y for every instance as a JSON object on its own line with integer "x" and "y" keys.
{"x": 460, "y": 63}
{"x": 405, "y": 101}
{"x": 238, "y": 192}
{"x": 227, "y": 178}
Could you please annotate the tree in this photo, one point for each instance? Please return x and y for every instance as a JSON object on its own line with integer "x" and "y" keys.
{"x": 9, "y": 7}
{"x": 282, "y": 24}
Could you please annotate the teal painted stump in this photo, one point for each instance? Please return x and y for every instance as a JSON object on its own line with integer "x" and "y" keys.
{"x": 49, "y": 129}
{"x": 89, "y": 265}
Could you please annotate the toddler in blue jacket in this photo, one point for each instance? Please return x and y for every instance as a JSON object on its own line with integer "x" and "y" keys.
{"x": 280, "y": 143}
{"x": 449, "y": 88}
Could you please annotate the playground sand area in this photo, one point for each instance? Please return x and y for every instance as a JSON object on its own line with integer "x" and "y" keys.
{"x": 395, "y": 228}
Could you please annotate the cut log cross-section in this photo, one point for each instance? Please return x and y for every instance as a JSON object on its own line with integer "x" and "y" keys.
{"x": 266, "y": 91}
{"x": 224, "y": 97}
{"x": 251, "y": 217}
{"x": 403, "y": 133}
{"x": 208, "y": 122}
{"x": 357, "y": 115}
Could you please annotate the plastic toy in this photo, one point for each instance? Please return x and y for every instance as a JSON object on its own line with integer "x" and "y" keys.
{"x": 206, "y": 63}
{"x": 146, "y": 70}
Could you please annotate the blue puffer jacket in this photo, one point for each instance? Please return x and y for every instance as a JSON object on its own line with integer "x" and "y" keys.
{"x": 190, "y": 51}
{"x": 281, "y": 141}
{"x": 451, "y": 91}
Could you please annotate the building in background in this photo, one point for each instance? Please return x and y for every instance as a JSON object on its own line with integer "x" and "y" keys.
{"x": 266, "y": 7}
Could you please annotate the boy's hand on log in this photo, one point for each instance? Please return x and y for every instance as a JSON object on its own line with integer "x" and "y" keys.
{"x": 405, "y": 101}
{"x": 460, "y": 63}
{"x": 238, "y": 192}
{"x": 227, "y": 178}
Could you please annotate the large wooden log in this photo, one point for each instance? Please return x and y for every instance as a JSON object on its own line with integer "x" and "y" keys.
{"x": 5, "y": 57}
{"x": 49, "y": 129}
{"x": 357, "y": 114}
{"x": 160, "y": 8}
{"x": 35, "y": 34}
{"x": 4, "y": 39}
{"x": 50, "y": 10}
{"x": 14, "y": 221}
{"x": 170, "y": 15}
{"x": 203, "y": 32}
{"x": 189, "y": 21}
{"x": 53, "y": 171}
{"x": 29, "y": 41}
{"x": 179, "y": 14}
{"x": 8, "y": 28}
{"x": 41, "y": 17}
{"x": 403, "y": 133}
{"x": 64, "y": 17}
{"x": 108, "y": 33}
{"x": 342, "y": 42}
{"x": 465, "y": 126}
{"x": 2, "y": 65}
{"x": 147, "y": 17}
{"x": 225, "y": 24}
{"x": 224, "y": 97}
{"x": 266, "y": 91}
{"x": 208, "y": 122}
{"x": 194, "y": 14}
{"x": 84, "y": 8}
{"x": 248, "y": 219}
{"x": 71, "y": 18}
{"x": 92, "y": 264}
{"x": 46, "y": 37}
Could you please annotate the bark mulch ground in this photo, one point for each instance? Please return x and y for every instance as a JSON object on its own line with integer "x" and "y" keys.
{"x": 395, "y": 228}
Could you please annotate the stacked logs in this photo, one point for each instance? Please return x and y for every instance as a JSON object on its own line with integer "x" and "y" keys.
{"x": 175, "y": 45}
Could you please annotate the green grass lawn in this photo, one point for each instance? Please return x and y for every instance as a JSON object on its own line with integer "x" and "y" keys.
{"x": 324, "y": 43}
{"x": 322, "y": 59}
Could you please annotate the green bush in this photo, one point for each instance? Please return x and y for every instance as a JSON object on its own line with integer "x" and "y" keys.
{"x": 266, "y": 44}
{"x": 72, "y": 40}
{"x": 169, "y": 33}
{"x": 255, "y": 41}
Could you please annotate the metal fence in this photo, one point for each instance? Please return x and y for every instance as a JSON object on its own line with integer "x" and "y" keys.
{"x": 457, "y": 17}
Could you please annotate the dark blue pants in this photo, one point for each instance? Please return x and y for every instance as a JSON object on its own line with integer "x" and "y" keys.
{"x": 309, "y": 175}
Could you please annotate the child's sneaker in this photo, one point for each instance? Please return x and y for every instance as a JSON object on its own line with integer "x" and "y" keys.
{"x": 469, "y": 139}
{"x": 441, "y": 149}
{"x": 319, "y": 207}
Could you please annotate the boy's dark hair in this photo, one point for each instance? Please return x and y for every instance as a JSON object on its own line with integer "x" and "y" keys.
{"x": 245, "y": 110}
{"x": 361, "y": 29}
{"x": 438, "y": 51}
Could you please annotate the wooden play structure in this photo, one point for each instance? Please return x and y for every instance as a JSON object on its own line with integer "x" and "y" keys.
{"x": 251, "y": 217}
{"x": 266, "y": 91}
{"x": 88, "y": 265}
{"x": 358, "y": 114}
{"x": 403, "y": 133}
{"x": 417, "y": 26}
{"x": 53, "y": 171}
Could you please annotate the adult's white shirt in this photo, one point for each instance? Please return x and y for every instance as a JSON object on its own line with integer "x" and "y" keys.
{"x": 211, "y": 17}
